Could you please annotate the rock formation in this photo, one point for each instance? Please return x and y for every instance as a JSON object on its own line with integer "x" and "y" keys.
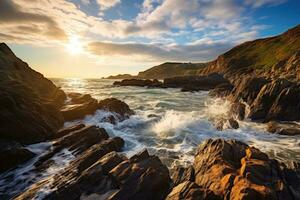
{"x": 233, "y": 170}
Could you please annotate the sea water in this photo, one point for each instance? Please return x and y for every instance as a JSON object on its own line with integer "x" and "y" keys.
{"x": 167, "y": 122}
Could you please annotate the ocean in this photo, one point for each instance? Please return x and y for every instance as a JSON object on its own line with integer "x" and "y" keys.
{"x": 167, "y": 122}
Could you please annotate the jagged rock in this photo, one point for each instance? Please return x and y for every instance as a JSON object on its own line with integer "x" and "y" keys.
{"x": 116, "y": 106}
{"x": 222, "y": 124}
{"x": 24, "y": 116}
{"x": 221, "y": 90}
{"x": 233, "y": 123}
{"x": 284, "y": 128}
{"x": 79, "y": 107}
{"x": 12, "y": 154}
{"x": 233, "y": 170}
{"x": 77, "y": 140}
{"x": 141, "y": 177}
{"x": 83, "y": 176}
{"x": 186, "y": 191}
{"x": 277, "y": 100}
{"x": 66, "y": 130}
{"x": 238, "y": 110}
{"x": 248, "y": 89}
{"x": 139, "y": 83}
{"x": 181, "y": 174}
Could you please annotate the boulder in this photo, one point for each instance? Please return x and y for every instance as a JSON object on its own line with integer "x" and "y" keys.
{"x": 12, "y": 154}
{"x": 116, "y": 106}
{"x": 277, "y": 100}
{"x": 233, "y": 170}
{"x": 182, "y": 174}
{"x": 141, "y": 177}
{"x": 221, "y": 90}
{"x": 78, "y": 141}
{"x": 238, "y": 110}
{"x": 84, "y": 176}
{"x": 25, "y": 117}
{"x": 284, "y": 128}
{"x": 247, "y": 89}
{"x": 79, "y": 106}
{"x": 139, "y": 83}
{"x": 223, "y": 123}
{"x": 186, "y": 190}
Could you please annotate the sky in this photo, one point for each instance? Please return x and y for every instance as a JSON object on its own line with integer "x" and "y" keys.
{"x": 97, "y": 38}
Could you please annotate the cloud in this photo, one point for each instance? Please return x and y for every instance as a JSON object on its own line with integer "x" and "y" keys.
{"x": 106, "y": 4}
{"x": 259, "y": 3}
{"x": 203, "y": 50}
{"x": 12, "y": 16}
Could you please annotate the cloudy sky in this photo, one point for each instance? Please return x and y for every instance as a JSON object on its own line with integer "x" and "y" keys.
{"x": 95, "y": 38}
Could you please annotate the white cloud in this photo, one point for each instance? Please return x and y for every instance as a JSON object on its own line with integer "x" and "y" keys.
{"x": 259, "y": 3}
{"x": 202, "y": 50}
{"x": 106, "y": 4}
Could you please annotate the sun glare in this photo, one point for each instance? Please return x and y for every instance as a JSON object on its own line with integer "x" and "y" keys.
{"x": 74, "y": 47}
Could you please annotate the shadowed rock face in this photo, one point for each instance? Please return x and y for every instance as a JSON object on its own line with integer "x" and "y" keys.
{"x": 28, "y": 102}
{"x": 99, "y": 171}
{"x": 284, "y": 128}
{"x": 233, "y": 170}
{"x": 139, "y": 83}
{"x": 12, "y": 154}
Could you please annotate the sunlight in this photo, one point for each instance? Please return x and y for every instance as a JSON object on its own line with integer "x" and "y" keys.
{"x": 74, "y": 47}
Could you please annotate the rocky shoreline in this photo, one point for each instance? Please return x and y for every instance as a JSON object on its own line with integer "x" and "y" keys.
{"x": 33, "y": 110}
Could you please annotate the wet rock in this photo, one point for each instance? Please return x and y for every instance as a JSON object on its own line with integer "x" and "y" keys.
{"x": 221, "y": 90}
{"x": 267, "y": 96}
{"x": 247, "y": 89}
{"x": 187, "y": 190}
{"x": 111, "y": 160}
{"x": 181, "y": 174}
{"x": 116, "y": 106}
{"x": 77, "y": 141}
{"x": 139, "y": 83}
{"x": 233, "y": 170}
{"x": 141, "y": 177}
{"x": 222, "y": 124}
{"x": 195, "y": 83}
{"x": 79, "y": 107}
{"x": 24, "y": 116}
{"x": 233, "y": 123}
{"x": 12, "y": 154}
{"x": 110, "y": 119}
{"x": 284, "y": 128}
{"x": 84, "y": 176}
{"x": 238, "y": 110}
{"x": 153, "y": 116}
{"x": 64, "y": 131}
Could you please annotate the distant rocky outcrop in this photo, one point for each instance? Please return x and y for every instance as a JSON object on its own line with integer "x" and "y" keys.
{"x": 171, "y": 69}
{"x": 233, "y": 170}
{"x": 139, "y": 83}
{"x": 195, "y": 83}
{"x": 121, "y": 76}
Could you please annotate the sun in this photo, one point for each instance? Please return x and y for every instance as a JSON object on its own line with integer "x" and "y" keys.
{"x": 74, "y": 47}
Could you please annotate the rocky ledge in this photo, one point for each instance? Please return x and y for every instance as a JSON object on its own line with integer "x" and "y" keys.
{"x": 233, "y": 170}
{"x": 98, "y": 171}
{"x": 221, "y": 170}
{"x": 186, "y": 83}
{"x": 80, "y": 105}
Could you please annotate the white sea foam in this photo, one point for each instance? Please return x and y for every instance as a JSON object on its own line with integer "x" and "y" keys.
{"x": 169, "y": 123}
